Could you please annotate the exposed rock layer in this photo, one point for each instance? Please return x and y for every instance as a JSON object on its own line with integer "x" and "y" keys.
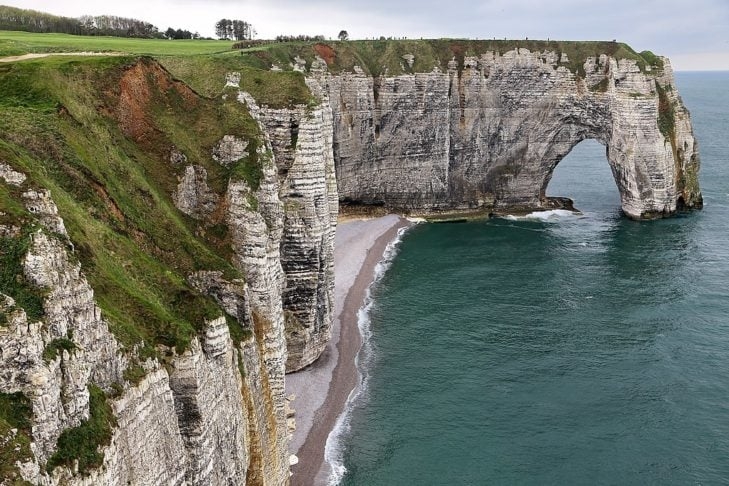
{"x": 197, "y": 421}
{"x": 302, "y": 145}
{"x": 215, "y": 412}
{"x": 488, "y": 134}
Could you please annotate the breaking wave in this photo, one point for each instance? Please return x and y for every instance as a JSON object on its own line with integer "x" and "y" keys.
{"x": 551, "y": 216}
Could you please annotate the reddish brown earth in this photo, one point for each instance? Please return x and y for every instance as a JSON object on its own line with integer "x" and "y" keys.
{"x": 326, "y": 53}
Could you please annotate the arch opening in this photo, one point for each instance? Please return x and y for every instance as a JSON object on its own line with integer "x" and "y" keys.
{"x": 584, "y": 176}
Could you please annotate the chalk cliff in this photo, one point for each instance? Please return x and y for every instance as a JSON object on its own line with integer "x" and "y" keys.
{"x": 195, "y": 420}
{"x": 486, "y": 131}
{"x": 301, "y": 138}
{"x": 184, "y": 406}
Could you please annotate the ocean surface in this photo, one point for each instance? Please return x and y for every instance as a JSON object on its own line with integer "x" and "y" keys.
{"x": 562, "y": 350}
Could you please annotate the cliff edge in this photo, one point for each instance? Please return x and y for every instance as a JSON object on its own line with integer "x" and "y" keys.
{"x": 444, "y": 125}
{"x": 154, "y": 253}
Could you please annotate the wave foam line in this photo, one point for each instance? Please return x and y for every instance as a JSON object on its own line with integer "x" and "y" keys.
{"x": 333, "y": 451}
{"x": 553, "y": 215}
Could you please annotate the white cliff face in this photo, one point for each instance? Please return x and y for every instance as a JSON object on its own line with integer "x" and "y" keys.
{"x": 255, "y": 219}
{"x": 489, "y": 135}
{"x": 256, "y": 237}
{"x": 207, "y": 385}
{"x": 301, "y": 140}
{"x": 193, "y": 196}
{"x": 684, "y": 145}
{"x": 184, "y": 424}
{"x": 147, "y": 446}
{"x": 214, "y": 414}
{"x": 57, "y": 387}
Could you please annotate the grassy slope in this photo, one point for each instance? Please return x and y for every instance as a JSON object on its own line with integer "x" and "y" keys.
{"x": 98, "y": 132}
{"x": 60, "y": 123}
{"x": 202, "y": 64}
{"x": 203, "y": 73}
{"x": 377, "y": 57}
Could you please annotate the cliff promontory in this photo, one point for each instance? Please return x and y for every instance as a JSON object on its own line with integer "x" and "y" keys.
{"x": 428, "y": 126}
{"x": 153, "y": 255}
{"x": 485, "y": 127}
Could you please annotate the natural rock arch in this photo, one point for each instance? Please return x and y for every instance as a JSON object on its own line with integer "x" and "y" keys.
{"x": 585, "y": 177}
{"x": 487, "y": 134}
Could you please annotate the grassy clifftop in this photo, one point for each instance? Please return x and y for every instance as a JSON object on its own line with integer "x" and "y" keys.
{"x": 99, "y": 133}
{"x": 377, "y": 57}
{"x": 374, "y": 56}
{"x": 202, "y": 64}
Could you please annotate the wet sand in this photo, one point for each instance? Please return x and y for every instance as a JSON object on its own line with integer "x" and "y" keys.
{"x": 322, "y": 389}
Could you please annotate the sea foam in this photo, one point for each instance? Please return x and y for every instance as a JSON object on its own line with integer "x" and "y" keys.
{"x": 333, "y": 452}
{"x": 552, "y": 216}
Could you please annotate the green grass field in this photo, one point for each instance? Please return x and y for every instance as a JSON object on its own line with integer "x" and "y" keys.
{"x": 14, "y": 43}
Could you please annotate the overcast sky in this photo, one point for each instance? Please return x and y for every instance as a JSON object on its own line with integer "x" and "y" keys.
{"x": 693, "y": 33}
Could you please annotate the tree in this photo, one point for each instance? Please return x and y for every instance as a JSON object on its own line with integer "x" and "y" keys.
{"x": 343, "y": 35}
{"x": 234, "y": 29}
{"x": 222, "y": 28}
{"x": 179, "y": 34}
{"x": 241, "y": 30}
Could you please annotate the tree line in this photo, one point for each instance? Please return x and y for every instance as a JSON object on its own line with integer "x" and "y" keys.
{"x": 12, "y": 18}
{"x": 300, "y": 38}
{"x": 118, "y": 27}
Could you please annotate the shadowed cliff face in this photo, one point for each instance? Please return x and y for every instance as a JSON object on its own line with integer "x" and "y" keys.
{"x": 488, "y": 134}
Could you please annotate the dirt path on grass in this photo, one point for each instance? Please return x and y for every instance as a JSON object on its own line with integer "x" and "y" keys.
{"x": 25, "y": 57}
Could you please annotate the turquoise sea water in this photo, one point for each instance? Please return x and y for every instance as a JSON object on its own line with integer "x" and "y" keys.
{"x": 578, "y": 350}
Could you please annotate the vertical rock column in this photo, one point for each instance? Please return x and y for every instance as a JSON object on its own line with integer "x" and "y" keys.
{"x": 301, "y": 138}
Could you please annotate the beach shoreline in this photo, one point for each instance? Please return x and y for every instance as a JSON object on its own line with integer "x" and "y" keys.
{"x": 323, "y": 388}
